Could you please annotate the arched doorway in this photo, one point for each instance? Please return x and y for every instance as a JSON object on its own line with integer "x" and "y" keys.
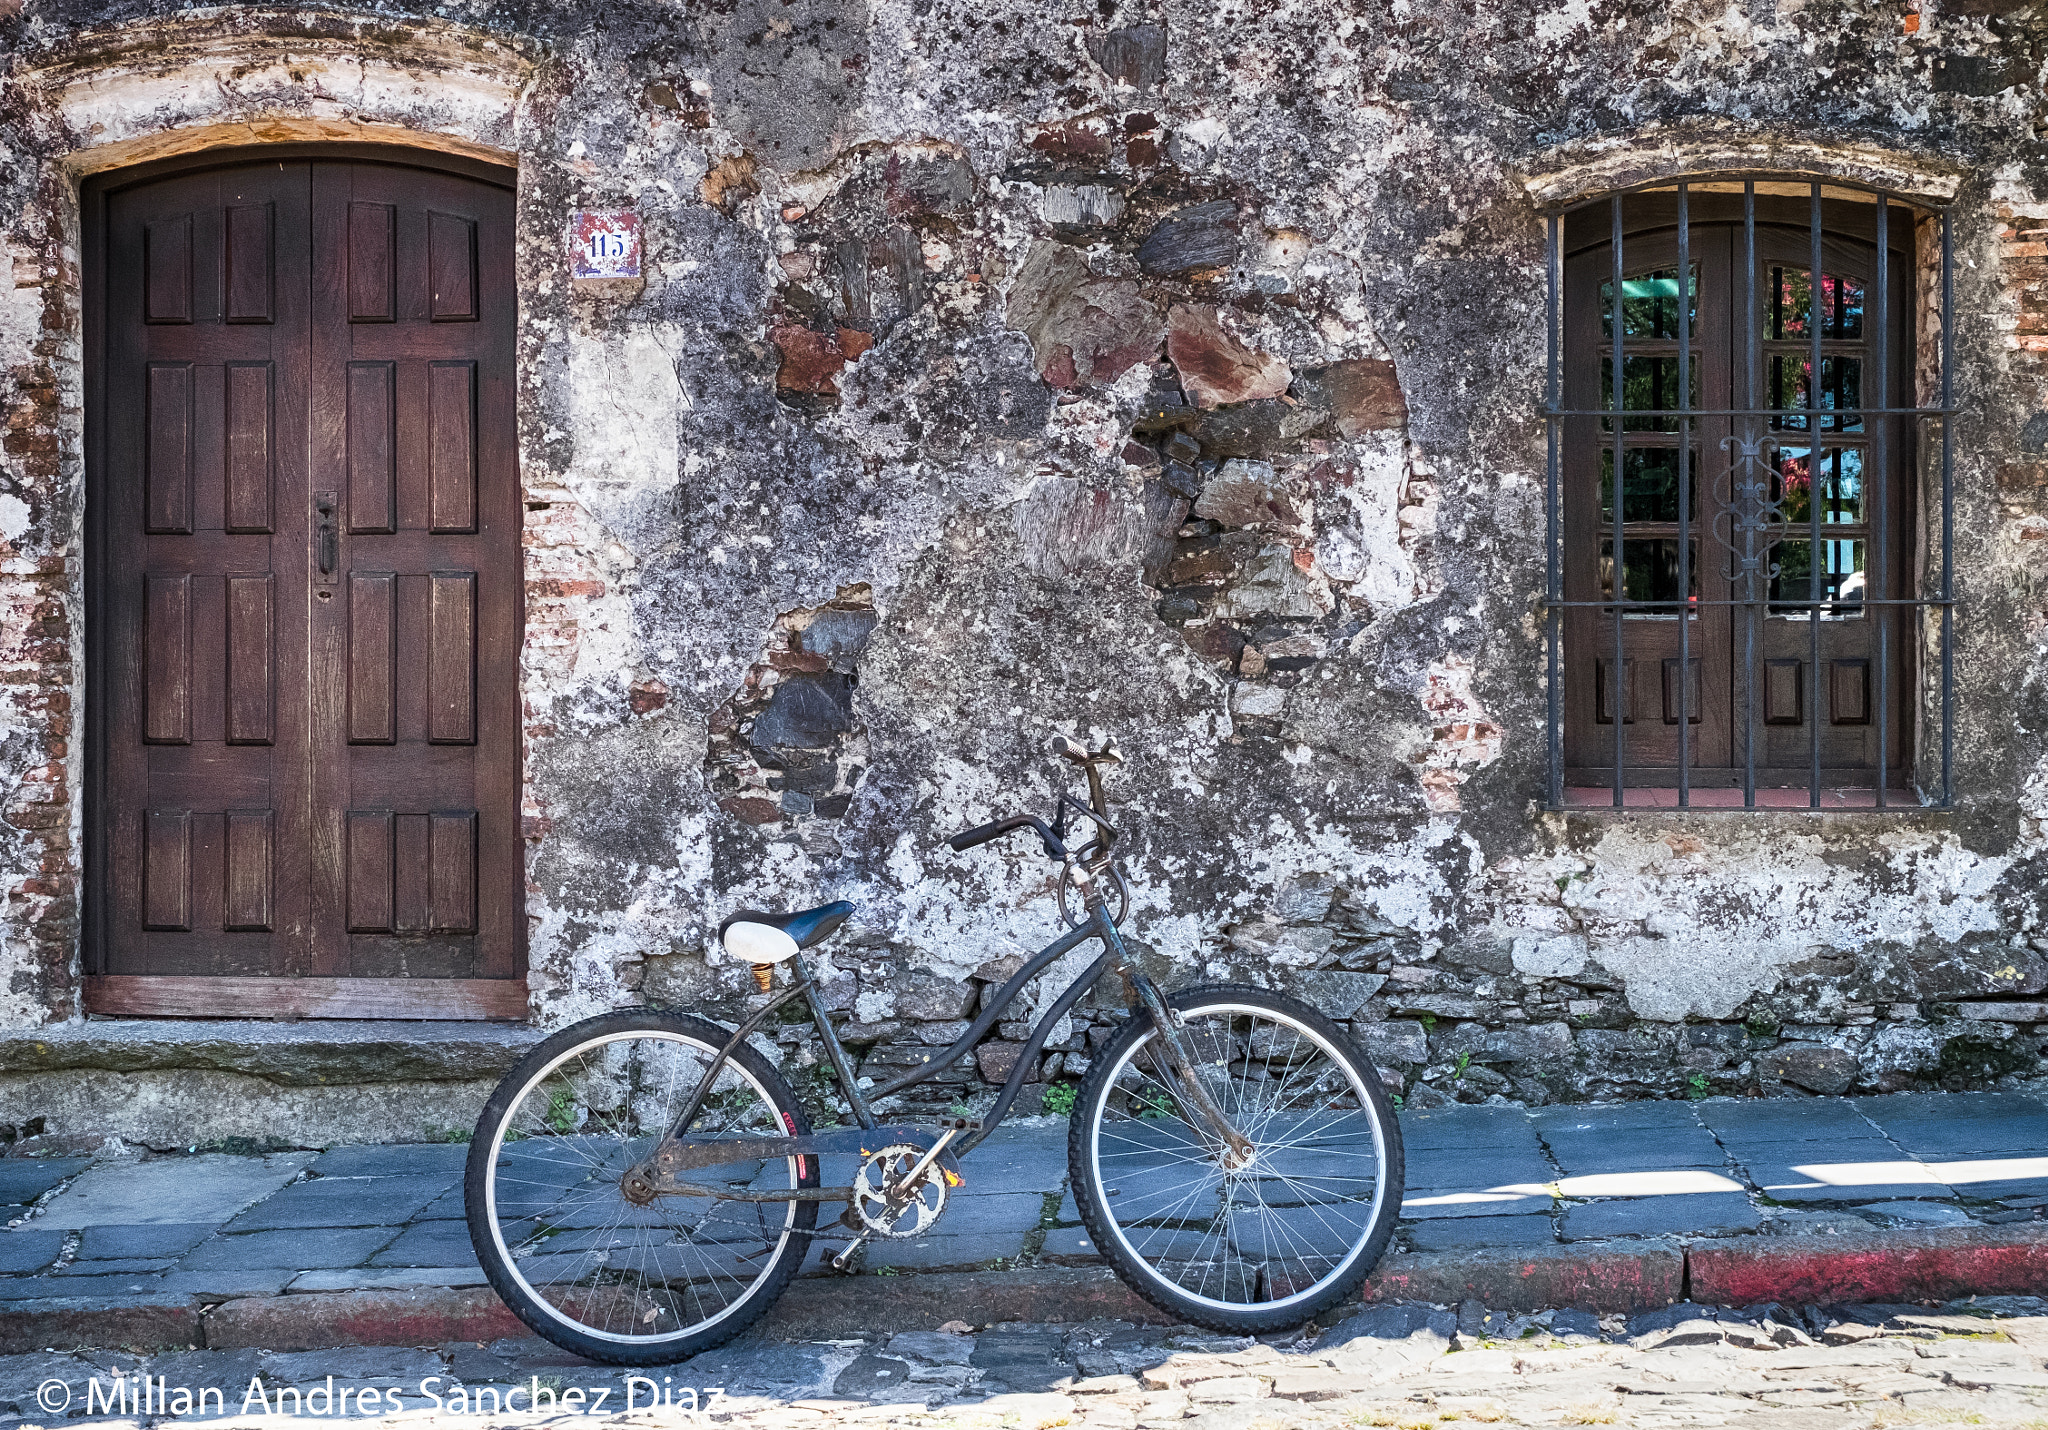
{"x": 303, "y": 585}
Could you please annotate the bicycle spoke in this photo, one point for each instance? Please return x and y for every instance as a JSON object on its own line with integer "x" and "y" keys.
{"x": 1230, "y": 1231}
{"x": 567, "y": 1231}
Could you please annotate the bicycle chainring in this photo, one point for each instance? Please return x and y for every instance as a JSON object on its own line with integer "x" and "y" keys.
{"x": 872, "y": 1186}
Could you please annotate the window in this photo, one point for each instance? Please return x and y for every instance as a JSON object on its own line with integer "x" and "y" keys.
{"x": 1749, "y": 598}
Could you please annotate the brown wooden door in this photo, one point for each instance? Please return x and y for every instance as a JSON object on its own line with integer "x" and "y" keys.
{"x": 305, "y": 595}
{"x": 1766, "y": 675}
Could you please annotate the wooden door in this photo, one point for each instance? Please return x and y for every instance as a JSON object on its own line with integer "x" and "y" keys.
{"x": 305, "y": 595}
{"x": 1765, "y": 675}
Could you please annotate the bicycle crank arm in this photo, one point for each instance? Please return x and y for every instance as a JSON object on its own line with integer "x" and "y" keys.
{"x": 657, "y": 1175}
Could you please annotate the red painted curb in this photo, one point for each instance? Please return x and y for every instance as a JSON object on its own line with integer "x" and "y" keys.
{"x": 139, "y": 1323}
{"x": 1610, "y": 1276}
{"x": 822, "y": 1307}
{"x": 1935, "y": 1265}
{"x": 361, "y": 1318}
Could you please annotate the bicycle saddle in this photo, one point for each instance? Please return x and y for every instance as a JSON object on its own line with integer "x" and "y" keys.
{"x": 756, "y": 937}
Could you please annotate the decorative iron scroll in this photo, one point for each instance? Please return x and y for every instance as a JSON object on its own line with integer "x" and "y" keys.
{"x": 1751, "y": 519}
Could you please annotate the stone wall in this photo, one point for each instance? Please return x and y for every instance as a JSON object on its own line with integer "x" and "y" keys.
{"x": 1131, "y": 368}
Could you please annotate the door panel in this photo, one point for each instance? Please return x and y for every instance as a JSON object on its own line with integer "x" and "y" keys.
{"x": 305, "y": 605}
{"x": 416, "y": 326}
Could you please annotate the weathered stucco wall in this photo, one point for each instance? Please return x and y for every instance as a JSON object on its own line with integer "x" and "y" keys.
{"x": 1146, "y": 370}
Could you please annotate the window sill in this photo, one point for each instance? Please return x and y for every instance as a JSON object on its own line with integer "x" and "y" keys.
{"x": 1593, "y": 798}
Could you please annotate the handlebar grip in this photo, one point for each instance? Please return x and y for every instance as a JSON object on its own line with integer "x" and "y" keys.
{"x": 980, "y": 834}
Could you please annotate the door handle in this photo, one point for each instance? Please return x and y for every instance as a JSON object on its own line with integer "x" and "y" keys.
{"x": 326, "y": 533}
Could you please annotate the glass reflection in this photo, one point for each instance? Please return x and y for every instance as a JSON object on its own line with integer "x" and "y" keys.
{"x": 1649, "y": 484}
{"x": 1840, "y": 580}
{"x": 1791, "y": 377}
{"x": 1840, "y": 478}
{"x": 1650, "y": 573}
{"x": 1789, "y": 304}
{"x": 1650, "y": 384}
{"x": 1649, "y": 304}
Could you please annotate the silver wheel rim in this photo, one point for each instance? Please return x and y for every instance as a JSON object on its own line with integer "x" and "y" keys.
{"x": 768, "y": 1257}
{"x": 1194, "y": 1226}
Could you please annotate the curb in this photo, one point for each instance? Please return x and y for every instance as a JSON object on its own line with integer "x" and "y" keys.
{"x": 1943, "y": 1264}
{"x": 1592, "y": 1276}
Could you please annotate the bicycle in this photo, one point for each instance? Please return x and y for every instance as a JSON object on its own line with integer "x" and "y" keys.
{"x": 644, "y": 1184}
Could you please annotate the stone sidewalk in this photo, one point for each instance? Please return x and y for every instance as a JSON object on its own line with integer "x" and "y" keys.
{"x": 1608, "y": 1206}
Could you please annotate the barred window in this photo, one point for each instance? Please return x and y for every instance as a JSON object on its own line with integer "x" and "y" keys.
{"x": 1749, "y": 580}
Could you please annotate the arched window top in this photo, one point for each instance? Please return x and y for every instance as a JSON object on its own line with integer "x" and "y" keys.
{"x": 1745, "y": 604}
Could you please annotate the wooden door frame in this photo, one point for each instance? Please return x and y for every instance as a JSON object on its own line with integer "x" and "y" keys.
{"x": 497, "y": 999}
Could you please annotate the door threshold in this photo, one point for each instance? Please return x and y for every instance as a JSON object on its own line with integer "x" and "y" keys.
{"x": 498, "y": 1000}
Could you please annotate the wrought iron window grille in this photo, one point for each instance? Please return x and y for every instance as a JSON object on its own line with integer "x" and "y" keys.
{"x": 1749, "y": 545}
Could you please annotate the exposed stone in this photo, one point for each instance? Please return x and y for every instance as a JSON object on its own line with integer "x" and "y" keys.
{"x": 1197, "y": 237}
{"x": 1340, "y": 995}
{"x": 1280, "y": 581}
{"x": 1084, "y": 330}
{"x": 805, "y": 712}
{"x": 925, "y": 996}
{"x": 1814, "y": 1066}
{"x": 1081, "y": 206}
{"x": 1366, "y": 395}
{"x": 1394, "y": 1041}
{"x": 1133, "y": 55}
{"x": 998, "y": 1059}
{"x": 1216, "y": 367}
{"x": 1245, "y": 493}
{"x": 812, "y": 360}
{"x": 1543, "y": 1042}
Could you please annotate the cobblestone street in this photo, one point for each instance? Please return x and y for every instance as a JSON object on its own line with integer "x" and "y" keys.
{"x": 1976, "y": 1363}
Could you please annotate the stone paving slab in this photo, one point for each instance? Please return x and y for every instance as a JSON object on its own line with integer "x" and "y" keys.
{"x": 22, "y": 1180}
{"x": 442, "y": 1160}
{"x": 296, "y": 1250}
{"x": 429, "y": 1243}
{"x": 210, "y": 1187}
{"x": 147, "y": 1239}
{"x": 341, "y": 1201}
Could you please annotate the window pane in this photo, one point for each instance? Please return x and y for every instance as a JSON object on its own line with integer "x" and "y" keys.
{"x": 1652, "y": 571}
{"x": 1788, "y": 303}
{"x": 1841, "y": 578}
{"x": 1649, "y": 488}
{"x": 1649, "y": 304}
{"x": 1841, "y": 387}
{"x": 1841, "y": 484}
{"x": 1651, "y": 385}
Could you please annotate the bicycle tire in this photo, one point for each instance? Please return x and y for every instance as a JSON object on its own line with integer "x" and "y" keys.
{"x": 1221, "y": 1243}
{"x": 489, "y": 1204}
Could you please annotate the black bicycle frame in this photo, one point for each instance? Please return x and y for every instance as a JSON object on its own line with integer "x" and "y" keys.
{"x": 1096, "y": 926}
{"x": 1096, "y": 870}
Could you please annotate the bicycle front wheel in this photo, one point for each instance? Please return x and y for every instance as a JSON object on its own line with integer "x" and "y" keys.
{"x": 568, "y": 1251}
{"x": 1240, "y": 1248}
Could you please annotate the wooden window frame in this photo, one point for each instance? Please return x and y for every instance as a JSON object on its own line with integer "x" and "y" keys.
{"x": 1908, "y": 602}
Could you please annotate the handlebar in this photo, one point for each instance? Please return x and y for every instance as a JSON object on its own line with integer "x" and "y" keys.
{"x": 996, "y": 829}
{"x": 1053, "y": 836}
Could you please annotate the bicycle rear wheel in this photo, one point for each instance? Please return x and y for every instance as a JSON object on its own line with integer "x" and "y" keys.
{"x": 557, "y": 1237}
{"x": 1272, "y": 1243}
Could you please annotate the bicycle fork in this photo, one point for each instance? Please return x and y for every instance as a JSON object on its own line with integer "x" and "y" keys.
{"x": 1178, "y": 1071}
